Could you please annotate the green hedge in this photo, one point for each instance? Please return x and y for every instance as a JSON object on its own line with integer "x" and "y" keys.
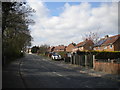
{"x": 102, "y": 54}
{"x": 62, "y": 53}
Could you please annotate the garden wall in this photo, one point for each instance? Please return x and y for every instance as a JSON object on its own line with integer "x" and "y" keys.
{"x": 107, "y": 67}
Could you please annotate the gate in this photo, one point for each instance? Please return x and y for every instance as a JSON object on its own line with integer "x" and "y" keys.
{"x": 90, "y": 60}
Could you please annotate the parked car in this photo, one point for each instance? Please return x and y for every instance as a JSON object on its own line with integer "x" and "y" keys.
{"x": 56, "y": 56}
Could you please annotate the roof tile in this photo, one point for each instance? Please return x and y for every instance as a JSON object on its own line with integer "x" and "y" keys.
{"x": 111, "y": 40}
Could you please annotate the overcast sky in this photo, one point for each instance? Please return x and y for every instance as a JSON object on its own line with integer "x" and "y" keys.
{"x": 65, "y": 22}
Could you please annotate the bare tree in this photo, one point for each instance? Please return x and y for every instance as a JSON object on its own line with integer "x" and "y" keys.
{"x": 93, "y": 36}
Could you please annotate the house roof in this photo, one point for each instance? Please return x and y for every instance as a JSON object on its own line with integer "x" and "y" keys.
{"x": 60, "y": 47}
{"x": 50, "y": 48}
{"x": 72, "y": 44}
{"x": 111, "y": 40}
{"x": 106, "y": 41}
{"x": 82, "y": 43}
{"x": 100, "y": 42}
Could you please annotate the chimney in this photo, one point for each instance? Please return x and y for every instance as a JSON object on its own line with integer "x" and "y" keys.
{"x": 86, "y": 39}
{"x": 106, "y": 36}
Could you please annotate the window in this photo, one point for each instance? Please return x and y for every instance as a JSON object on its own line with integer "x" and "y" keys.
{"x": 82, "y": 48}
{"x": 111, "y": 46}
{"x": 90, "y": 47}
{"x": 98, "y": 48}
{"x": 105, "y": 47}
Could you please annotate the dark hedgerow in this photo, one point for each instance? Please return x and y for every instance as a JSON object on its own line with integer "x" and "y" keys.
{"x": 101, "y": 54}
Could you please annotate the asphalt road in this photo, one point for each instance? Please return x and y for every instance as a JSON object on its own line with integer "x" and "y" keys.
{"x": 38, "y": 72}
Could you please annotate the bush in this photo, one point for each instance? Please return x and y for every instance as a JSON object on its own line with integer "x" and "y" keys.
{"x": 11, "y": 55}
{"x": 63, "y": 53}
{"x": 34, "y": 49}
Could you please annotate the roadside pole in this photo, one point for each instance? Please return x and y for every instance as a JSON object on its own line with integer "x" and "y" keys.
{"x": 86, "y": 61}
{"x": 93, "y": 61}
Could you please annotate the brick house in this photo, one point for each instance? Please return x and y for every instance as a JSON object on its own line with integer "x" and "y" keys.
{"x": 108, "y": 44}
{"x": 51, "y": 49}
{"x": 59, "y": 48}
{"x": 85, "y": 45}
{"x": 98, "y": 45}
{"x": 70, "y": 47}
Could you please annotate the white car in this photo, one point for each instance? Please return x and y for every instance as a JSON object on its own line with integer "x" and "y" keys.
{"x": 56, "y": 56}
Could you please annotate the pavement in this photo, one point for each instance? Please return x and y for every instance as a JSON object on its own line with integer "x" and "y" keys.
{"x": 92, "y": 72}
{"x": 100, "y": 74}
{"x": 11, "y": 76}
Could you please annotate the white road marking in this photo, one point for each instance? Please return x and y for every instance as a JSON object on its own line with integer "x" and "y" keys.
{"x": 61, "y": 75}
{"x": 57, "y": 74}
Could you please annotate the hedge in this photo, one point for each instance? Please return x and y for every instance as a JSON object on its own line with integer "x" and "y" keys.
{"x": 101, "y": 54}
{"x": 63, "y": 53}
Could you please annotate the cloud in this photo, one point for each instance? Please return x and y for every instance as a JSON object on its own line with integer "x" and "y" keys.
{"x": 72, "y": 23}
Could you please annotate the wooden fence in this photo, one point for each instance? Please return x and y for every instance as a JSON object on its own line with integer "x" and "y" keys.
{"x": 83, "y": 60}
{"x": 108, "y": 66}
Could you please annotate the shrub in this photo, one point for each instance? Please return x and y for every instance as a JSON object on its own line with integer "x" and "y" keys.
{"x": 63, "y": 53}
{"x": 34, "y": 49}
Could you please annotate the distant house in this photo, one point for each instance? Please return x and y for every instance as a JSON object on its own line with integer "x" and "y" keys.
{"x": 60, "y": 48}
{"x": 108, "y": 43}
{"x": 70, "y": 47}
{"x": 28, "y": 50}
{"x": 51, "y": 49}
{"x": 85, "y": 45}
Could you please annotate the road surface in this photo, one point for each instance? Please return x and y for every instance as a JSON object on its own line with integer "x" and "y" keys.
{"x": 38, "y": 72}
